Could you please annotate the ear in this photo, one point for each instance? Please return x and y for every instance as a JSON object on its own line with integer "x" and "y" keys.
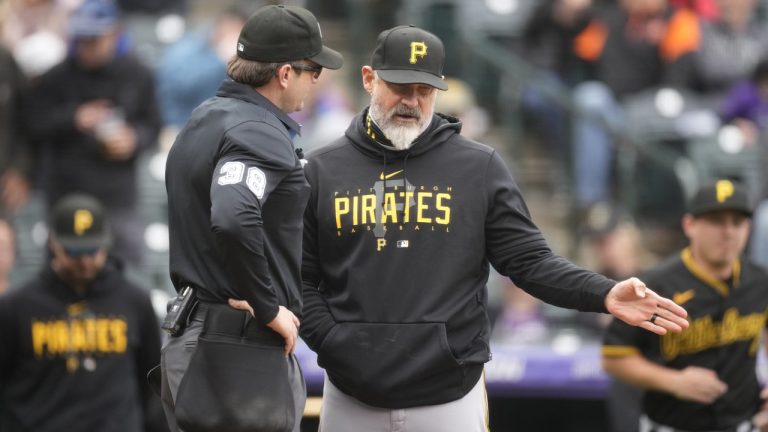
{"x": 55, "y": 248}
{"x": 282, "y": 75}
{"x": 369, "y": 76}
{"x": 688, "y": 223}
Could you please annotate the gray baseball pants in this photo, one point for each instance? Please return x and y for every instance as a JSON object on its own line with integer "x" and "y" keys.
{"x": 343, "y": 413}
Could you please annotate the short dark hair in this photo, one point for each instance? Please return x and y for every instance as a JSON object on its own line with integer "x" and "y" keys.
{"x": 256, "y": 74}
{"x": 249, "y": 72}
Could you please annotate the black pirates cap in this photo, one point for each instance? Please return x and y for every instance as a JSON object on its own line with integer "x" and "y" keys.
{"x": 284, "y": 33}
{"x": 720, "y": 195}
{"x": 409, "y": 55}
{"x": 79, "y": 224}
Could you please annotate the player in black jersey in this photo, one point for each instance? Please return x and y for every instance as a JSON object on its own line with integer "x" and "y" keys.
{"x": 77, "y": 340}
{"x": 702, "y": 379}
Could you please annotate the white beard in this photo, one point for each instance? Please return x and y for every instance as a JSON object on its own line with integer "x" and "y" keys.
{"x": 400, "y": 135}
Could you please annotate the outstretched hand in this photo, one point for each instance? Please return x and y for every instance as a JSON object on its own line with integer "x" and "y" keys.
{"x": 286, "y": 324}
{"x": 634, "y": 303}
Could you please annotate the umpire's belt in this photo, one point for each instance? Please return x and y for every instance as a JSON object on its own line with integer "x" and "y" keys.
{"x": 223, "y": 320}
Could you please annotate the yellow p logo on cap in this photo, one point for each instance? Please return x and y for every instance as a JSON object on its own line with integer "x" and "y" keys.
{"x": 82, "y": 221}
{"x": 724, "y": 190}
{"x": 418, "y": 49}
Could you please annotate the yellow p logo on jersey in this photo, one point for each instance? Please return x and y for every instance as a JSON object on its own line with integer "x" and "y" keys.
{"x": 83, "y": 221}
{"x": 418, "y": 49}
{"x": 724, "y": 190}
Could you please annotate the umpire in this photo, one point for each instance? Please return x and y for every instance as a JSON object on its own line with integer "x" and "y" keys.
{"x": 702, "y": 379}
{"x": 237, "y": 192}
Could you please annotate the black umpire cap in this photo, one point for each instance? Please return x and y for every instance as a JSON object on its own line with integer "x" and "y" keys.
{"x": 284, "y": 33}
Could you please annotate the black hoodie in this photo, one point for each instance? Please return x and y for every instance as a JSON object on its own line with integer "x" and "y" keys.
{"x": 397, "y": 246}
{"x": 76, "y": 362}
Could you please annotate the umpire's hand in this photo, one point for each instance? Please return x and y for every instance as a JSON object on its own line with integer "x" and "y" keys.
{"x": 285, "y": 323}
{"x": 634, "y": 303}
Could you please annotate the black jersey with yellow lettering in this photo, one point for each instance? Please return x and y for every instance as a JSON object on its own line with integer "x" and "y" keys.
{"x": 71, "y": 362}
{"x": 397, "y": 249}
{"x": 726, "y": 318}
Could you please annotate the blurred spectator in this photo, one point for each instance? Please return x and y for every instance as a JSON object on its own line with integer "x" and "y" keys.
{"x": 202, "y": 57}
{"x": 548, "y": 39}
{"x": 93, "y": 114}
{"x": 77, "y": 341}
{"x": 152, "y": 25}
{"x": 628, "y": 47}
{"x": 731, "y": 49}
{"x": 459, "y": 101}
{"x": 682, "y": 123}
{"x": 746, "y": 104}
{"x": 14, "y": 150}
{"x": 706, "y": 9}
{"x": 725, "y": 51}
{"x": 7, "y": 253}
{"x": 35, "y": 32}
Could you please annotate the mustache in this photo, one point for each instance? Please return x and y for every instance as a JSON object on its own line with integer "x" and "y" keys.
{"x": 403, "y": 110}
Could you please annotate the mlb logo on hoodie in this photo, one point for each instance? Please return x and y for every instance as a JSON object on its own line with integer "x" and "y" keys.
{"x": 402, "y": 243}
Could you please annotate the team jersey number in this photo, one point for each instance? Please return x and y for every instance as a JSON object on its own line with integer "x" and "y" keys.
{"x": 232, "y": 173}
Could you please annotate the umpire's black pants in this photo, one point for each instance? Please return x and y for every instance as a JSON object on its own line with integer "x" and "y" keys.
{"x": 174, "y": 360}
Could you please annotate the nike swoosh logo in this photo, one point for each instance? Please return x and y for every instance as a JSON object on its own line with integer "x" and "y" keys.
{"x": 683, "y": 297}
{"x": 388, "y": 176}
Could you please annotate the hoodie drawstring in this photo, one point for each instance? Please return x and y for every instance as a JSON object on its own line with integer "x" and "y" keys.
{"x": 384, "y": 186}
{"x": 405, "y": 181}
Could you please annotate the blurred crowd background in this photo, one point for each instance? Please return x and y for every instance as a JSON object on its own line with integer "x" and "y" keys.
{"x": 610, "y": 113}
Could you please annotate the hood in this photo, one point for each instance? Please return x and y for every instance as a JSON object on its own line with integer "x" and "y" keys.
{"x": 441, "y": 128}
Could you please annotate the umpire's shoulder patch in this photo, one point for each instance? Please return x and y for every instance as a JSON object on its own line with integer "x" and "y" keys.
{"x": 256, "y": 181}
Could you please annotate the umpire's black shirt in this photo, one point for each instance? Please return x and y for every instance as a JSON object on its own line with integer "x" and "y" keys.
{"x": 236, "y": 196}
